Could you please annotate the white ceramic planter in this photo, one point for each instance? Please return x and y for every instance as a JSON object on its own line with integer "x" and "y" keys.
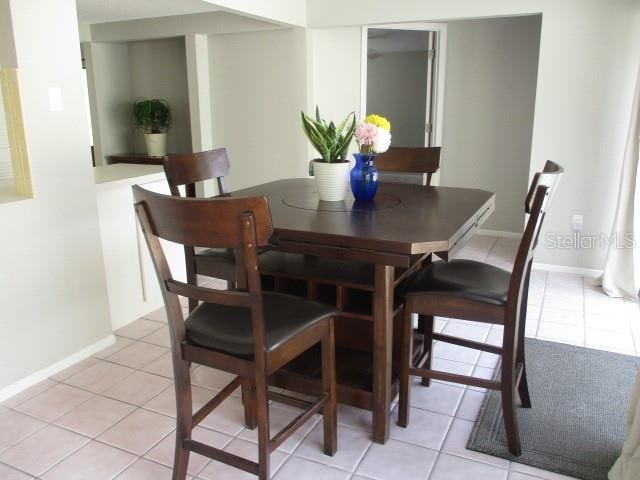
{"x": 332, "y": 180}
{"x": 156, "y": 144}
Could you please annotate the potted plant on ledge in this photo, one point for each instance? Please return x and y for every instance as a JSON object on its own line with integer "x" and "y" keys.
{"x": 332, "y": 143}
{"x": 153, "y": 117}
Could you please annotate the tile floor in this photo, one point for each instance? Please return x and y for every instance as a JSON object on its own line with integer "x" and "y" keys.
{"x": 112, "y": 415}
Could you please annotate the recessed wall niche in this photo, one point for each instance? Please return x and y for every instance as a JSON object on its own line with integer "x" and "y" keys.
{"x": 119, "y": 73}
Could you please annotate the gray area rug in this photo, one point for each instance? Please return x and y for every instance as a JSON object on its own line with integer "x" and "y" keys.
{"x": 577, "y": 422}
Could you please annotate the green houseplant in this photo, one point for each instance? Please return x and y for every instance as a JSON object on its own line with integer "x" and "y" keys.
{"x": 153, "y": 117}
{"x": 332, "y": 143}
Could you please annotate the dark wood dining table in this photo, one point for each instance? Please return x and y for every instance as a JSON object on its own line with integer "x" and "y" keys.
{"x": 387, "y": 238}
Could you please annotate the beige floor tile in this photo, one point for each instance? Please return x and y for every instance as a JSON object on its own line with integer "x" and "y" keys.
{"x": 470, "y": 405}
{"x": 227, "y": 418}
{"x": 164, "y": 452}
{"x": 301, "y": 469}
{"x": 161, "y": 366}
{"x": 137, "y": 355}
{"x": 165, "y": 402}
{"x": 561, "y": 332}
{"x": 160, "y": 337}
{"x": 138, "y": 388}
{"x": 73, "y": 369}
{"x": 54, "y": 403}
{"x": 138, "y": 432}
{"x": 456, "y": 353}
{"x": 439, "y": 397}
{"x": 563, "y": 316}
{"x": 138, "y": 329}
{"x": 8, "y": 473}
{"x": 146, "y": 470}
{"x": 426, "y": 429}
{"x": 397, "y": 461}
{"x": 99, "y": 377}
{"x": 15, "y": 427}
{"x": 42, "y": 450}
{"x": 355, "y": 418}
{"x": 219, "y": 471}
{"x": 456, "y": 442}
{"x": 159, "y": 315}
{"x": 520, "y": 476}
{"x": 211, "y": 378}
{"x": 352, "y": 445}
{"x": 611, "y": 340}
{"x": 537, "y": 472}
{"x": 450, "y": 467}
{"x": 95, "y": 416}
{"x": 121, "y": 342}
{"x": 29, "y": 393}
{"x": 279, "y": 417}
{"x": 95, "y": 461}
{"x": 466, "y": 330}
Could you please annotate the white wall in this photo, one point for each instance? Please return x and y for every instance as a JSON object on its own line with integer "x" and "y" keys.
{"x": 158, "y": 69}
{"x": 53, "y": 294}
{"x": 258, "y": 87}
{"x": 109, "y": 82}
{"x": 397, "y": 89}
{"x": 588, "y": 62}
{"x": 490, "y": 89}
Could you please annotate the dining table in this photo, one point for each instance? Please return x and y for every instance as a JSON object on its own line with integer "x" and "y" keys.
{"x": 355, "y": 255}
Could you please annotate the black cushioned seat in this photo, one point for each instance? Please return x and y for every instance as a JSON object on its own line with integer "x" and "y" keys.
{"x": 228, "y": 329}
{"x": 461, "y": 278}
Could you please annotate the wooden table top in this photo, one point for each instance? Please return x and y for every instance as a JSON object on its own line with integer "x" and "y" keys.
{"x": 402, "y": 219}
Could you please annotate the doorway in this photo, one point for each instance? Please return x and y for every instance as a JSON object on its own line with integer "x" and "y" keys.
{"x": 404, "y": 68}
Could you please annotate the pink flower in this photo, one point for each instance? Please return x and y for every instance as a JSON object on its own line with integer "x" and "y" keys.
{"x": 366, "y": 133}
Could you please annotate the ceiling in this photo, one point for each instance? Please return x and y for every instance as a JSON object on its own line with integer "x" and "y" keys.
{"x": 101, "y": 11}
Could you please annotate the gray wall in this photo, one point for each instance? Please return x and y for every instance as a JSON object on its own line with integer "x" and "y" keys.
{"x": 159, "y": 70}
{"x": 396, "y": 89}
{"x": 490, "y": 89}
{"x": 109, "y": 85}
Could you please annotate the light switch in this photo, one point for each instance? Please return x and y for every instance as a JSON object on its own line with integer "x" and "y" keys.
{"x": 55, "y": 99}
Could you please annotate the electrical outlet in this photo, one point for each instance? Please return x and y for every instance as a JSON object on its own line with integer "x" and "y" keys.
{"x": 55, "y": 99}
{"x": 576, "y": 222}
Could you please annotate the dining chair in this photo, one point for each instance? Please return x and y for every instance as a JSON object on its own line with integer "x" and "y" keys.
{"x": 185, "y": 170}
{"x": 476, "y": 291}
{"x": 243, "y": 331}
{"x": 398, "y": 163}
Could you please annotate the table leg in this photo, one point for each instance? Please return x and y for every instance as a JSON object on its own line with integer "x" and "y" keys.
{"x": 382, "y": 351}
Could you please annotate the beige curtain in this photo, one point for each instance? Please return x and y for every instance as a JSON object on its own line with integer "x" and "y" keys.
{"x": 627, "y": 467}
{"x": 621, "y": 277}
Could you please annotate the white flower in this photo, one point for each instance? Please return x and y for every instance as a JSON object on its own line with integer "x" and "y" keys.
{"x": 382, "y": 141}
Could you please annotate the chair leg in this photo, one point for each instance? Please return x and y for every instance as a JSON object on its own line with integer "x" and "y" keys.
{"x": 523, "y": 388}
{"x": 249, "y": 403}
{"x": 330, "y": 416}
{"x": 426, "y": 322}
{"x": 406, "y": 347}
{"x": 262, "y": 413}
{"x": 509, "y": 407}
{"x": 184, "y": 420}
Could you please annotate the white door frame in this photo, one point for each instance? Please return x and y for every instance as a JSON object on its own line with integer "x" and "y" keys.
{"x": 440, "y": 62}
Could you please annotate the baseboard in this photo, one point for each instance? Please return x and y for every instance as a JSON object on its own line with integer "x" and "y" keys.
{"x": 20, "y": 385}
{"x": 498, "y": 233}
{"x": 587, "y": 272}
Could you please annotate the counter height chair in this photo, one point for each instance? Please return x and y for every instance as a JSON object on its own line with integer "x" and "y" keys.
{"x": 408, "y": 164}
{"x": 185, "y": 170}
{"x": 242, "y": 331}
{"x": 470, "y": 290}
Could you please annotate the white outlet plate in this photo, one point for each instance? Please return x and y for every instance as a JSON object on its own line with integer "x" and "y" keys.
{"x": 577, "y": 222}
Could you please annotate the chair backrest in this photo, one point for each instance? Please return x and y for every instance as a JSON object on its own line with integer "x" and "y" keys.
{"x": 541, "y": 192}
{"x": 423, "y": 160}
{"x": 189, "y": 168}
{"x": 243, "y": 224}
